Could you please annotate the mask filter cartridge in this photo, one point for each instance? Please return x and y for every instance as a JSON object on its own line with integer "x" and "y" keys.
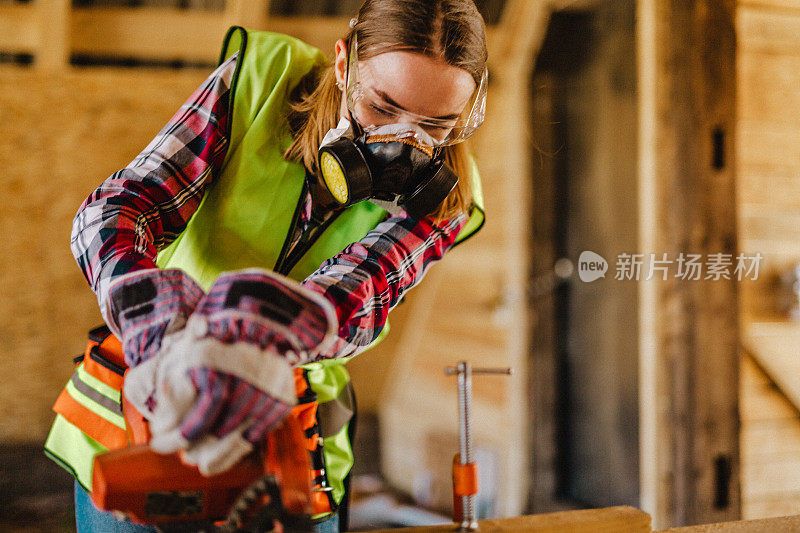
{"x": 390, "y": 163}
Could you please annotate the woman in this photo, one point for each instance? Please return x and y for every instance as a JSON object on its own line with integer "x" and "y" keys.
{"x": 234, "y": 181}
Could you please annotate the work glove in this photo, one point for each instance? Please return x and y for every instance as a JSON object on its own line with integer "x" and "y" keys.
{"x": 222, "y": 383}
{"x": 145, "y": 305}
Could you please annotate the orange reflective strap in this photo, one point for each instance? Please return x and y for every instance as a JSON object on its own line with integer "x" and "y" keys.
{"x": 92, "y": 424}
{"x": 320, "y": 502}
{"x": 306, "y": 414}
{"x": 94, "y": 365}
{"x": 300, "y": 383}
{"x": 111, "y": 349}
{"x": 109, "y": 345}
{"x": 101, "y": 360}
{"x": 138, "y": 430}
{"x": 104, "y": 359}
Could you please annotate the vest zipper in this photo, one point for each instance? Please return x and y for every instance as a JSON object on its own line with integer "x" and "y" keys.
{"x": 291, "y": 255}
{"x": 292, "y": 228}
{"x": 311, "y": 235}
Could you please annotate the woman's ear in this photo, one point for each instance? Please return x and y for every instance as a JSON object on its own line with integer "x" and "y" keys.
{"x": 340, "y": 62}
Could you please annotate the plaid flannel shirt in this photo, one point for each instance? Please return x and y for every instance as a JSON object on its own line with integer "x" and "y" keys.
{"x": 143, "y": 207}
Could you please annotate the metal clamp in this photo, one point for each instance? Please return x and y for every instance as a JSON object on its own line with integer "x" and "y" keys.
{"x": 464, "y": 370}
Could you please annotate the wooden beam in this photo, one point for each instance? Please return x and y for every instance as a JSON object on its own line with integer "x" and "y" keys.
{"x": 53, "y": 46}
{"x": 516, "y": 40}
{"x": 19, "y": 28}
{"x": 172, "y": 34}
{"x": 786, "y": 6}
{"x": 573, "y": 5}
{"x": 775, "y": 347}
{"x": 543, "y": 377}
{"x": 161, "y": 34}
{"x": 149, "y": 33}
{"x": 783, "y": 524}
{"x": 251, "y": 14}
{"x": 321, "y": 32}
{"x": 689, "y": 349}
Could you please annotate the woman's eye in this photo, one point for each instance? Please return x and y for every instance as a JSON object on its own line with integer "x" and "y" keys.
{"x": 437, "y": 130}
{"x": 381, "y": 111}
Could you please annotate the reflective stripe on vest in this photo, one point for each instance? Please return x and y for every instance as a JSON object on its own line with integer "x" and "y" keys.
{"x": 89, "y": 417}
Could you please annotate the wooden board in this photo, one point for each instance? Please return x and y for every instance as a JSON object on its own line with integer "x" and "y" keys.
{"x": 790, "y": 6}
{"x": 776, "y": 348}
{"x": 769, "y": 222}
{"x": 759, "y": 399}
{"x": 784, "y": 524}
{"x": 770, "y": 440}
{"x": 784, "y": 504}
{"x": 18, "y": 29}
{"x": 612, "y": 519}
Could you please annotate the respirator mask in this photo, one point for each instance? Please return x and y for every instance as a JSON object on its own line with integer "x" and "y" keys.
{"x": 388, "y": 154}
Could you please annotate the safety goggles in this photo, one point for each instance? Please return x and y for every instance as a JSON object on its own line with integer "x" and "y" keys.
{"x": 371, "y": 110}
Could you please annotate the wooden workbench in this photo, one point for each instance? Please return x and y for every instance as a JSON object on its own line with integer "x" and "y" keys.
{"x": 786, "y": 524}
{"x": 609, "y": 520}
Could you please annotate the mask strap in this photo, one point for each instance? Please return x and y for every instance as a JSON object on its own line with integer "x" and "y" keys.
{"x": 357, "y": 129}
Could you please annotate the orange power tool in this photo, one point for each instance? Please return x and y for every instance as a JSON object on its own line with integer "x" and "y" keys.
{"x": 271, "y": 485}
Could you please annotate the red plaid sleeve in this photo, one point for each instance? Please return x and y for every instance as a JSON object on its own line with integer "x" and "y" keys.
{"x": 142, "y": 208}
{"x": 368, "y": 278}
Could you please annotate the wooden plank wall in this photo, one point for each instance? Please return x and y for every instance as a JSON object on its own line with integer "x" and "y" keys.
{"x": 81, "y": 124}
{"x": 768, "y": 188}
{"x": 60, "y": 136}
{"x": 768, "y": 194}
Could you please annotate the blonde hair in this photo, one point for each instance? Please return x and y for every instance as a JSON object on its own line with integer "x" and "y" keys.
{"x": 452, "y": 30}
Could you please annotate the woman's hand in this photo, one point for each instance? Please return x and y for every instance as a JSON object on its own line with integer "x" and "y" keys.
{"x": 221, "y": 384}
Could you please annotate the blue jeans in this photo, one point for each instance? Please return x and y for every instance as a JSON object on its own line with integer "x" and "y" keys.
{"x": 90, "y": 519}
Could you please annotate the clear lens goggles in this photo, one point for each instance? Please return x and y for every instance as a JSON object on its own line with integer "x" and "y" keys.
{"x": 371, "y": 111}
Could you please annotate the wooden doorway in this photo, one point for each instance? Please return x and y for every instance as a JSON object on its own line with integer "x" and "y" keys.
{"x": 636, "y": 159}
{"x": 585, "y": 357}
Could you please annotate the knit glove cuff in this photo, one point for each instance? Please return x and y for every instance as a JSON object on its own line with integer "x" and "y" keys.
{"x": 145, "y": 305}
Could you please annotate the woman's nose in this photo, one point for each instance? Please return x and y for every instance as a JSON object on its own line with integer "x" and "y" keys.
{"x": 405, "y": 118}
